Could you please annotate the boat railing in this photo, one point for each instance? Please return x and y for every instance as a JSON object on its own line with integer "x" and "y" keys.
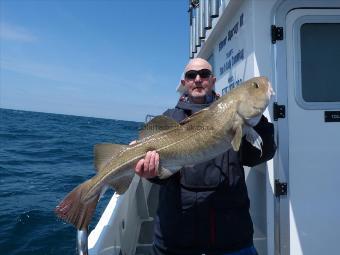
{"x": 126, "y": 225}
{"x": 148, "y": 117}
{"x": 82, "y": 241}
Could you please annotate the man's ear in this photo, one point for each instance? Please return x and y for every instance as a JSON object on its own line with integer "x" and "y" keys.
{"x": 183, "y": 82}
{"x": 213, "y": 80}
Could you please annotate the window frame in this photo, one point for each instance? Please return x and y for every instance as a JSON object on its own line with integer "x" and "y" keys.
{"x": 309, "y": 19}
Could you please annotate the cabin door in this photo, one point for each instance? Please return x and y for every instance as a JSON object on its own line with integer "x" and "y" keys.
{"x": 313, "y": 120}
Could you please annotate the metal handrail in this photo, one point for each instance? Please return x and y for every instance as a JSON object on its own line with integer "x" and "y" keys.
{"x": 82, "y": 244}
{"x": 148, "y": 117}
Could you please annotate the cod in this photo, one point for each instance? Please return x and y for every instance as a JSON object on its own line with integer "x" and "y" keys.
{"x": 198, "y": 138}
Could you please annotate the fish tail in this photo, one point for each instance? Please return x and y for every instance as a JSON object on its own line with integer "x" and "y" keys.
{"x": 75, "y": 209}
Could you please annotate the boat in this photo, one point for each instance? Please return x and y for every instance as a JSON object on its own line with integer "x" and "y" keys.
{"x": 294, "y": 198}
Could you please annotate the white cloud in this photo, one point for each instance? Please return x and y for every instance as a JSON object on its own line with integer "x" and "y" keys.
{"x": 78, "y": 77}
{"x": 51, "y": 72}
{"x": 16, "y": 33}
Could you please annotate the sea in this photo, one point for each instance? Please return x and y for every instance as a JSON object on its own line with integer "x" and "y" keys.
{"x": 43, "y": 157}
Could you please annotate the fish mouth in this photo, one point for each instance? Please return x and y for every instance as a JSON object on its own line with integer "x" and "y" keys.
{"x": 259, "y": 109}
{"x": 270, "y": 91}
{"x": 253, "y": 120}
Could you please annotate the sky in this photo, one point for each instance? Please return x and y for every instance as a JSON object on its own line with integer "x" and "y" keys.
{"x": 114, "y": 59}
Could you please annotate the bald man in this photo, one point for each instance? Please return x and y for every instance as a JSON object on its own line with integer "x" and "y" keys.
{"x": 204, "y": 209}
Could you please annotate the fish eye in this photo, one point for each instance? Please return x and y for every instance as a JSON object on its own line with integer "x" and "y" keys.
{"x": 256, "y": 85}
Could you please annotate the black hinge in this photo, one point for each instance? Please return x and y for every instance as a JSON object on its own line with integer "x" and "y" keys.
{"x": 279, "y": 111}
{"x": 277, "y": 34}
{"x": 280, "y": 188}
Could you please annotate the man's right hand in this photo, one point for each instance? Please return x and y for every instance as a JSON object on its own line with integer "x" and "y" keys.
{"x": 148, "y": 166}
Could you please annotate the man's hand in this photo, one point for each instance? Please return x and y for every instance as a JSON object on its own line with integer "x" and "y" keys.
{"x": 147, "y": 167}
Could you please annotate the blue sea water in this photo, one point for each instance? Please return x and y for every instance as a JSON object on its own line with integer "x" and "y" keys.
{"x": 42, "y": 158}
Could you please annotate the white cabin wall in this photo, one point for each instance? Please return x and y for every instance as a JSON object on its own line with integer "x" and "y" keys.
{"x": 229, "y": 74}
{"x": 263, "y": 66}
{"x": 260, "y": 179}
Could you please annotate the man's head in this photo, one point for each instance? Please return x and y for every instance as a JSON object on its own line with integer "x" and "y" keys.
{"x": 198, "y": 80}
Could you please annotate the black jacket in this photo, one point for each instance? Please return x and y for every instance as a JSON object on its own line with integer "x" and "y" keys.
{"x": 205, "y": 208}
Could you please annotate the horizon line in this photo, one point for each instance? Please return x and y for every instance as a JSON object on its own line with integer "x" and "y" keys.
{"x": 83, "y": 116}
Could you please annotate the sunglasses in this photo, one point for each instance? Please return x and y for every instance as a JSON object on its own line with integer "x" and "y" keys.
{"x": 203, "y": 73}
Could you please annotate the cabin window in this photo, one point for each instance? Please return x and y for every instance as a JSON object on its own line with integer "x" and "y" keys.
{"x": 320, "y": 62}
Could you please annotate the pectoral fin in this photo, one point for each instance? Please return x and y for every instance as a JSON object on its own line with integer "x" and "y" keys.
{"x": 236, "y": 142}
{"x": 253, "y": 137}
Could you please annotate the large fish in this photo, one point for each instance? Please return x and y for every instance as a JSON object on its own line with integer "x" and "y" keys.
{"x": 201, "y": 137}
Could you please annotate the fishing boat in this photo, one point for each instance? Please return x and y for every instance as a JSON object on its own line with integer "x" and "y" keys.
{"x": 294, "y": 199}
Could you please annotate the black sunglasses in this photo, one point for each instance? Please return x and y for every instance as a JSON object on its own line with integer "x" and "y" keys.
{"x": 191, "y": 74}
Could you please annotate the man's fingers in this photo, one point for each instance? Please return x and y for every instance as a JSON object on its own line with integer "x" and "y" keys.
{"x": 147, "y": 161}
{"x": 156, "y": 163}
{"x": 139, "y": 167}
{"x": 152, "y": 163}
{"x": 148, "y": 167}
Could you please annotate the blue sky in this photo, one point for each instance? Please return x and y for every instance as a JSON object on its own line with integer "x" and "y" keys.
{"x": 105, "y": 58}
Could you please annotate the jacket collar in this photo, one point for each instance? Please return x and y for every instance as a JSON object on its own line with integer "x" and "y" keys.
{"x": 189, "y": 107}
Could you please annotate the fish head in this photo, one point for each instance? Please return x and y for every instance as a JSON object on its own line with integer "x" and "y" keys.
{"x": 254, "y": 97}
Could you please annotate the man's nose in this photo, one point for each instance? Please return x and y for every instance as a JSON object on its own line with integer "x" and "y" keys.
{"x": 198, "y": 78}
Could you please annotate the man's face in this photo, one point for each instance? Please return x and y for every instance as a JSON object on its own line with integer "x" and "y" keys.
{"x": 198, "y": 80}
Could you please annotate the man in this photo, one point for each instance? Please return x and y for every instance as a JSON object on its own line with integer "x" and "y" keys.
{"x": 204, "y": 209}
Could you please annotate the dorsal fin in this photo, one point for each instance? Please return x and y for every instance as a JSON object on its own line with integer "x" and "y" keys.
{"x": 105, "y": 152}
{"x": 156, "y": 125}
